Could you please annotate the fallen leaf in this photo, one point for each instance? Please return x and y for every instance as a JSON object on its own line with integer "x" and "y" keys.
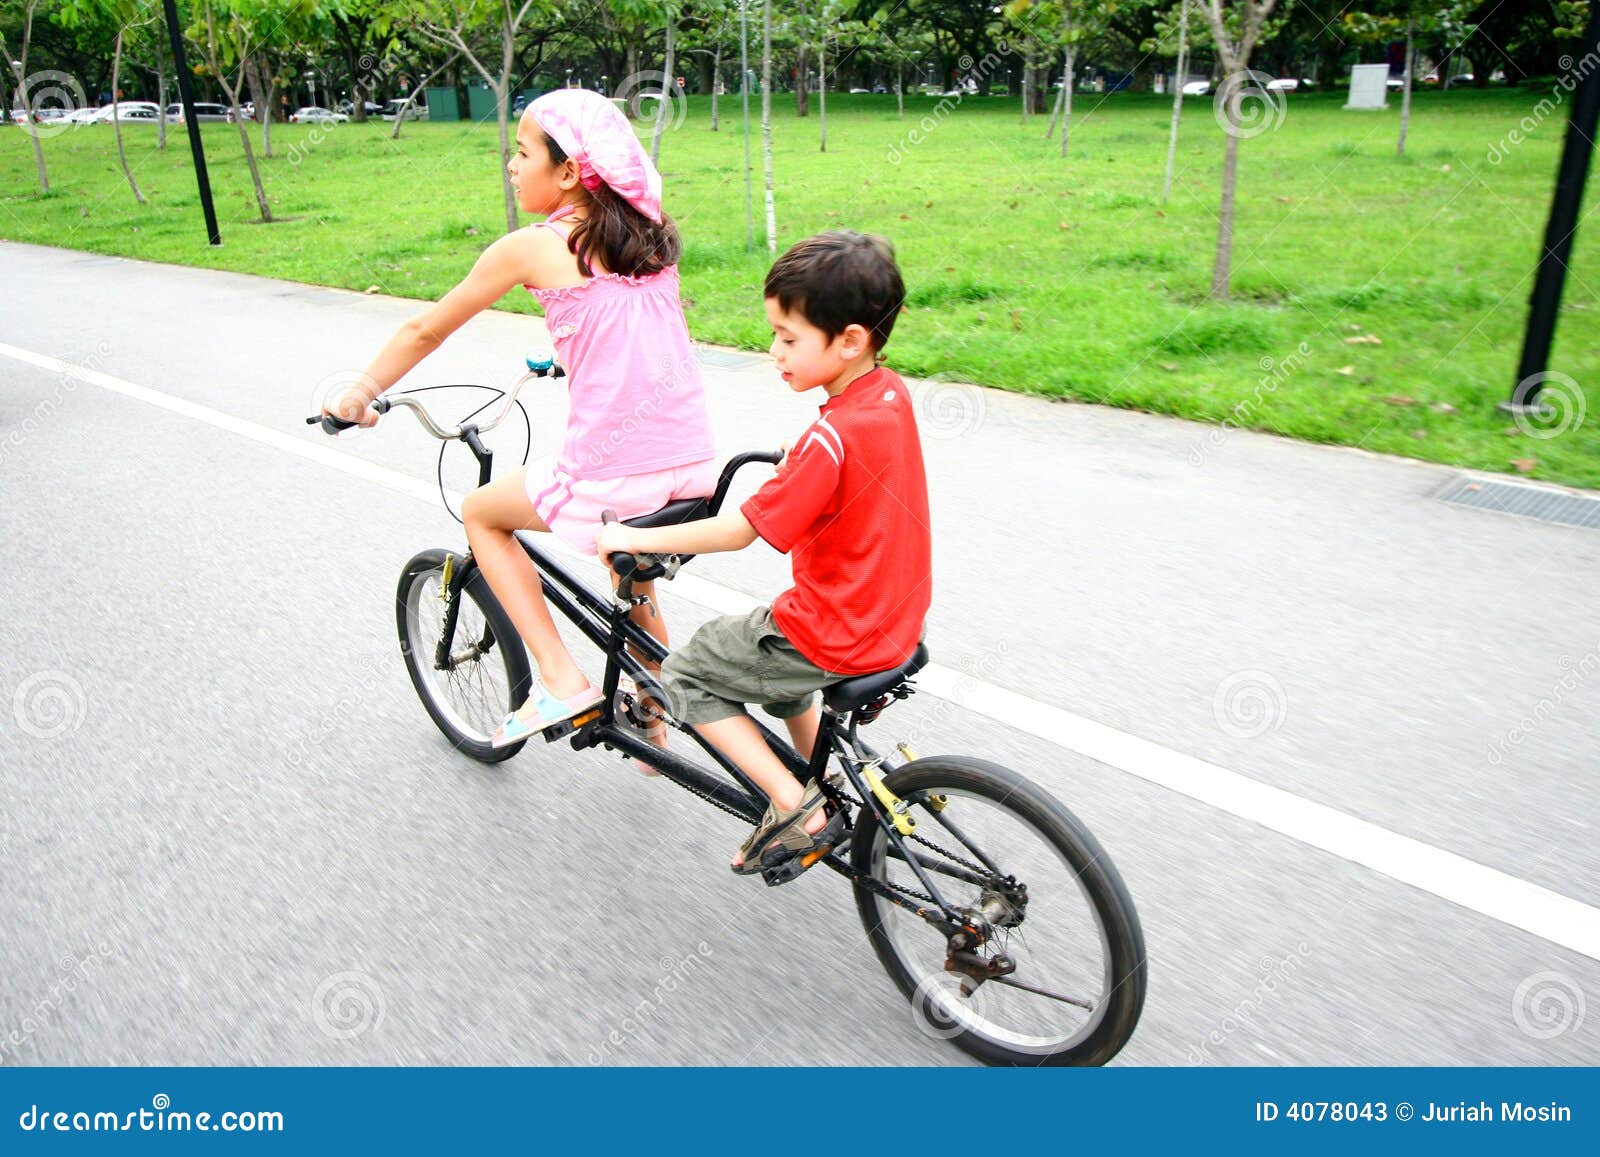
{"x": 1170, "y": 367}
{"x": 1159, "y": 213}
{"x": 830, "y": 213}
{"x": 1355, "y": 327}
{"x": 1444, "y": 168}
{"x": 372, "y": 289}
{"x": 929, "y": 205}
{"x": 983, "y": 317}
{"x": 1345, "y": 370}
{"x": 1364, "y": 339}
{"x": 949, "y": 268}
{"x": 1285, "y": 200}
{"x": 1525, "y": 465}
{"x": 1419, "y": 434}
{"x": 1400, "y": 399}
{"x": 1016, "y": 320}
{"x": 905, "y": 216}
{"x": 1443, "y": 408}
{"x": 1512, "y": 432}
{"x": 471, "y": 232}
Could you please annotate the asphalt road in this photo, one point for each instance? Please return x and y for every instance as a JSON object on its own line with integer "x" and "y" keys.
{"x": 229, "y": 833}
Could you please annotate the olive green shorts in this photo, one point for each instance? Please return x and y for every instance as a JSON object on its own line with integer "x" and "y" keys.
{"x": 740, "y": 659}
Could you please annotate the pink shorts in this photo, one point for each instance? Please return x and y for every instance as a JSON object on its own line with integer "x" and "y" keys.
{"x": 571, "y": 507}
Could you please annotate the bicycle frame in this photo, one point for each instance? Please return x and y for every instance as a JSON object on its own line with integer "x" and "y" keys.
{"x": 608, "y": 624}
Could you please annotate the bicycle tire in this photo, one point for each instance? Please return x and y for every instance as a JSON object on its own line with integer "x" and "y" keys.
{"x": 1121, "y": 937}
{"x": 467, "y": 727}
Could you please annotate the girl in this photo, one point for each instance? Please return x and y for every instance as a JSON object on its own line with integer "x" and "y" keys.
{"x": 603, "y": 264}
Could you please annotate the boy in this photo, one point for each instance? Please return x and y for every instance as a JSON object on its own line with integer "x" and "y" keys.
{"x": 849, "y": 503}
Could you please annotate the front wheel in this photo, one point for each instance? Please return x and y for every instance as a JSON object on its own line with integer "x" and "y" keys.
{"x": 486, "y": 674}
{"x": 1022, "y": 869}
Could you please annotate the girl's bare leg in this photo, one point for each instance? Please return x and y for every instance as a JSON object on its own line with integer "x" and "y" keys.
{"x": 492, "y": 514}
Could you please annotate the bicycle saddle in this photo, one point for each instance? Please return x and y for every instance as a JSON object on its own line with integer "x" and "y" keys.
{"x": 683, "y": 510}
{"x": 859, "y": 690}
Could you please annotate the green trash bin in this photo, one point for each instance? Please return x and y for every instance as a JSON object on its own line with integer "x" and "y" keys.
{"x": 444, "y": 104}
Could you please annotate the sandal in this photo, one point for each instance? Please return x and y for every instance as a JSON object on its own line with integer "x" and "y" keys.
{"x": 781, "y": 836}
{"x": 548, "y": 711}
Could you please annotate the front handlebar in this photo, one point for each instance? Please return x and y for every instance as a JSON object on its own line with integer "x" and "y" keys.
{"x": 538, "y": 367}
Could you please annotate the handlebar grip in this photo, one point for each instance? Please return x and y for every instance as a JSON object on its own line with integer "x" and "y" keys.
{"x": 330, "y": 424}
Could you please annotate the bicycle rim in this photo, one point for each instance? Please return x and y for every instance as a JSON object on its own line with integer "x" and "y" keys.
{"x": 473, "y": 695}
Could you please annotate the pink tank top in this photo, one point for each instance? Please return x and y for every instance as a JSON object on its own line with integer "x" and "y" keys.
{"x": 636, "y": 403}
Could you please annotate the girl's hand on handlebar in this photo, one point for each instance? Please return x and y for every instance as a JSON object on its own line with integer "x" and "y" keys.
{"x": 353, "y": 406}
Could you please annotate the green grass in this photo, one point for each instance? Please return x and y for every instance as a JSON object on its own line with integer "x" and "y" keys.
{"x": 1065, "y": 278}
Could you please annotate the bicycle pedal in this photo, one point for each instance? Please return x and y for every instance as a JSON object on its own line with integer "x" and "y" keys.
{"x": 567, "y": 726}
{"x": 787, "y": 869}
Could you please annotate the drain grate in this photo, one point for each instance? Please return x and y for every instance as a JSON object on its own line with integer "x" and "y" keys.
{"x": 1538, "y": 502}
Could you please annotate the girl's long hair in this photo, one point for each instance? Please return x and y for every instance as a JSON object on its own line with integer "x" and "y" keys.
{"x": 624, "y": 239}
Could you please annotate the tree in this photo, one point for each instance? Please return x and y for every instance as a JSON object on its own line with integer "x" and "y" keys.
{"x": 473, "y": 28}
{"x": 1179, "y": 75}
{"x": 766, "y": 120}
{"x": 669, "y": 90}
{"x": 29, "y": 7}
{"x": 228, "y": 34}
{"x": 1235, "y": 34}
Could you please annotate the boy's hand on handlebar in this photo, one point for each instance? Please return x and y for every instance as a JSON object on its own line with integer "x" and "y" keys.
{"x": 353, "y": 406}
{"x": 615, "y": 538}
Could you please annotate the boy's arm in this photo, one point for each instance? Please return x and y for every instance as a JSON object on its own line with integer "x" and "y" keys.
{"x": 730, "y": 530}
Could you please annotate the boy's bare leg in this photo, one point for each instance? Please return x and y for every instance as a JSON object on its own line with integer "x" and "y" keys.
{"x": 740, "y": 740}
{"x": 491, "y": 515}
{"x": 803, "y": 730}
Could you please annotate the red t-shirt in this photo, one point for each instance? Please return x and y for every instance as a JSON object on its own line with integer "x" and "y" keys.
{"x": 850, "y": 503}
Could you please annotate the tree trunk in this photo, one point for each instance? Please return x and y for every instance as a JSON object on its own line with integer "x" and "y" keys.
{"x": 716, "y": 84}
{"x": 1177, "y": 97}
{"x": 416, "y": 92}
{"x": 632, "y": 65}
{"x": 116, "y": 120}
{"x": 27, "y": 100}
{"x": 802, "y": 83}
{"x": 822, "y": 90}
{"x": 1221, "y": 272}
{"x": 1027, "y": 79}
{"x": 263, "y": 102}
{"x": 766, "y": 121}
{"x": 1066, "y": 100}
{"x": 900, "y": 90}
{"x": 1411, "y": 67}
{"x": 213, "y": 59}
{"x": 161, "y": 98}
{"x": 1055, "y": 112}
{"x": 669, "y": 87}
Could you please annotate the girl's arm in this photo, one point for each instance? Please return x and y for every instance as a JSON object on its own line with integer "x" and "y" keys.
{"x": 729, "y": 531}
{"x": 513, "y": 260}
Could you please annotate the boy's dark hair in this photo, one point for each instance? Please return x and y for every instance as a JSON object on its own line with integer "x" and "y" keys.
{"x": 624, "y": 239}
{"x": 839, "y": 279}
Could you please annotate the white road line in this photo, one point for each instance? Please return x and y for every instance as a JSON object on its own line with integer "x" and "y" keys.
{"x": 1518, "y": 903}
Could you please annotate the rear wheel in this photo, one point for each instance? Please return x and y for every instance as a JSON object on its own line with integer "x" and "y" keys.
{"x": 1043, "y": 893}
{"x": 487, "y": 674}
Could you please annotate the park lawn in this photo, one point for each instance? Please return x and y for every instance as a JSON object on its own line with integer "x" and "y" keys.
{"x": 1062, "y": 277}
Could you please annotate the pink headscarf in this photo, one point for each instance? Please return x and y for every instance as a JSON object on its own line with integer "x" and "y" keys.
{"x": 592, "y": 131}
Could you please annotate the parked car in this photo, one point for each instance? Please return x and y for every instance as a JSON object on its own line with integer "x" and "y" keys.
{"x": 313, "y": 115}
{"x": 1197, "y": 88}
{"x": 202, "y": 112}
{"x": 127, "y": 110}
{"x": 404, "y": 110}
{"x": 348, "y": 107}
{"x": 1283, "y": 84}
{"x": 82, "y": 116}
